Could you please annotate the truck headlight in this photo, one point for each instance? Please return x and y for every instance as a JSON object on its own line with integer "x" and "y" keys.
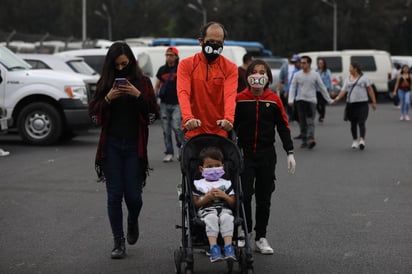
{"x": 77, "y": 92}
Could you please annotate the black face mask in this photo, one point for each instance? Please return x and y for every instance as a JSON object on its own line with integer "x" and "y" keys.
{"x": 212, "y": 50}
{"x": 123, "y": 73}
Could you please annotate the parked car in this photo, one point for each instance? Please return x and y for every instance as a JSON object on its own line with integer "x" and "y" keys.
{"x": 42, "y": 105}
{"x": 151, "y": 58}
{"x": 65, "y": 63}
{"x": 375, "y": 64}
{"x": 275, "y": 64}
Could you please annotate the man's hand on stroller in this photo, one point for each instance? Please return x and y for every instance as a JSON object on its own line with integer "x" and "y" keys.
{"x": 224, "y": 124}
{"x": 291, "y": 164}
{"x": 192, "y": 124}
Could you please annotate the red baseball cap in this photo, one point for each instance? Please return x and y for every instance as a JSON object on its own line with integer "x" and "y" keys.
{"x": 174, "y": 50}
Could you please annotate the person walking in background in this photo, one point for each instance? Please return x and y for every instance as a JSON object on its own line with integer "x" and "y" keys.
{"x": 306, "y": 82}
{"x": 358, "y": 86}
{"x": 402, "y": 90}
{"x": 122, "y": 110}
{"x": 207, "y": 86}
{"x": 170, "y": 115}
{"x": 259, "y": 113}
{"x": 286, "y": 73}
{"x": 242, "y": 83}
{"x": 326, "y": 77}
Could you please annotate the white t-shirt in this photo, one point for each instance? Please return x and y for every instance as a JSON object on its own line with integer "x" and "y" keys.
{"x": 359, "y": 92}
{"x": 205, "y": 186}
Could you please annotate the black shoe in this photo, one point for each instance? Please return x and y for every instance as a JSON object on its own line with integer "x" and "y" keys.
{"x": 119, "y": 250}
{"x": 311, "y": 144}
{"x": 132, "y": 233}
{"x": 303, "y": 145}
{"x": 298, "y": 137}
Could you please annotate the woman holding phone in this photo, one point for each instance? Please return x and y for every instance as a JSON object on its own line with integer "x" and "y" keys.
{"x": 122, "y": 110}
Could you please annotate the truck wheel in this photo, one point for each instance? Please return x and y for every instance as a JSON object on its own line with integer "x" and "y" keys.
{"x": 40, "y": 124}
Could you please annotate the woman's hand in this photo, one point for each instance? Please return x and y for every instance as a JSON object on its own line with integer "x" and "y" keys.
{"x": 129, "y": 89}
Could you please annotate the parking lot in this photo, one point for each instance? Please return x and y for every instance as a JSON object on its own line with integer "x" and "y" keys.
{"x": 344, "y": 211}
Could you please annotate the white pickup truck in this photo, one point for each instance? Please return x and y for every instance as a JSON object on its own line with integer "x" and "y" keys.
{"x": 42, "y": 105}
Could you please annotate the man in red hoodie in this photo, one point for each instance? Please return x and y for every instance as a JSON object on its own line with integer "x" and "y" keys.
{"x": 207, "y": 86}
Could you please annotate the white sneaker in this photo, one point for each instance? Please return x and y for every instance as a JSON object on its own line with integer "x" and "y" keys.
{"x": 402, "y": 118}
{"x": 168, "y": 158}
{"x": 407, "y": 118}
{"x": 263, "y": 246}
{"x": 3, "y": 152}
{"x": 362, "y": 144}
{"x": 355, "y": 144}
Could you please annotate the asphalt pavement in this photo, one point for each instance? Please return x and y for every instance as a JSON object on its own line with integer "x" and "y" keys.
{"x": 344, "y": 211}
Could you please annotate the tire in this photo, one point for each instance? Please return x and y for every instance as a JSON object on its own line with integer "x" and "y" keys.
{"x": 40, "y": 124}
{"x": 178, "y": 261}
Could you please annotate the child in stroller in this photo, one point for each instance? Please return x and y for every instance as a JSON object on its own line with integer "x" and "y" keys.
{"x": 214, "y": 198}
{"x": 193, "y": 234}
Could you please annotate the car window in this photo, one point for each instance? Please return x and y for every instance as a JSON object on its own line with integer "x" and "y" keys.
{"x": 367, "y": 63}
{"x": 35, "y": 64}
{"x": 95, "y": 61}
{"x": 79, "y": 66}
{"x": 334, "y": 63}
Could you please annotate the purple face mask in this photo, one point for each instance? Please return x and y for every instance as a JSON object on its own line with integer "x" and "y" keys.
{"x": 213, "y": 173}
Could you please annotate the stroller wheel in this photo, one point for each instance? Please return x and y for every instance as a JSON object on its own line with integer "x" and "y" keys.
{"x": 229, "y": 266}
{"x": 178, "y": 260}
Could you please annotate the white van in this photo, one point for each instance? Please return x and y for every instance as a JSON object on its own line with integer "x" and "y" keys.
{"x": 151, "y": 58}
{"x": 375, "y": 64}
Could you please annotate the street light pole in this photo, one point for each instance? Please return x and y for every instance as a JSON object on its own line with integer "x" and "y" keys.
{"x": 201, "y": 10}
{"x": 334, "y": 5}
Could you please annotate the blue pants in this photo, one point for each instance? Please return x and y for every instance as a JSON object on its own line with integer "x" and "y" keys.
{"x": 124, "y": 178}
{"x": 404, "y": 101}
{"x": 171, "y": 120}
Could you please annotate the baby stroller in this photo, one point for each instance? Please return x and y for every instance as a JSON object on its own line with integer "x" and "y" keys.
{"x": 193, "y": 228}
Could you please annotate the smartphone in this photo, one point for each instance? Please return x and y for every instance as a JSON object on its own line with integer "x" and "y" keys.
{"x": 120, "y": 82}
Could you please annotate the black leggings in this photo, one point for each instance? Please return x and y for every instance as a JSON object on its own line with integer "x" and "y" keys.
{"x": 358, "y": 114}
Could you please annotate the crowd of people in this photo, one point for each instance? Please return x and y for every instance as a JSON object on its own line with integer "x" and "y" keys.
{"x": 207, "y": 93}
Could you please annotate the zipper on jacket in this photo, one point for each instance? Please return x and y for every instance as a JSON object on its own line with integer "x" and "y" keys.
{"x": 257, "y": 125}
{"x": 207, "y": 71}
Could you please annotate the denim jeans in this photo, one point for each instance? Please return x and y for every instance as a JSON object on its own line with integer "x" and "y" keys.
{"x": 171, "y": 120}
{"x": 404, "y": 101}
{"x": 124, "y": 178}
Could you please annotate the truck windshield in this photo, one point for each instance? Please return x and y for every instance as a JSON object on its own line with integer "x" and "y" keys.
{"x": 12, "y": 62}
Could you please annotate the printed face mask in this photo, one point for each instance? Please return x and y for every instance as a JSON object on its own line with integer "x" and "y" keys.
{"x": 212, "y": 50}
{"x": 213, "y": 173}
{"x": 257, "y": 80}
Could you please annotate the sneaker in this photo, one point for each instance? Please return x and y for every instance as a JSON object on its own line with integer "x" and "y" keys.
{"x": 263, "y": 246}
{"x": 355, "y": 144}
{"x": 362, "y": 144}
{"x": 215, "y": 253}
{"x": 402, "y": 118}
{"x": 168, "y": 158}
{"x": 3, "y": 152}
{"x": 407, "y": 118}
{"x": 303, "y": 145}
{"x": 311, "y": 144}
{"x": 229, "y": 252}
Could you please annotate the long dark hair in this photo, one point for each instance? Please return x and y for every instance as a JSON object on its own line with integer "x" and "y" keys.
{"x": 108, "y": 73}
{"x": 251, "y": 67}
{"x": 325, "y": 66}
